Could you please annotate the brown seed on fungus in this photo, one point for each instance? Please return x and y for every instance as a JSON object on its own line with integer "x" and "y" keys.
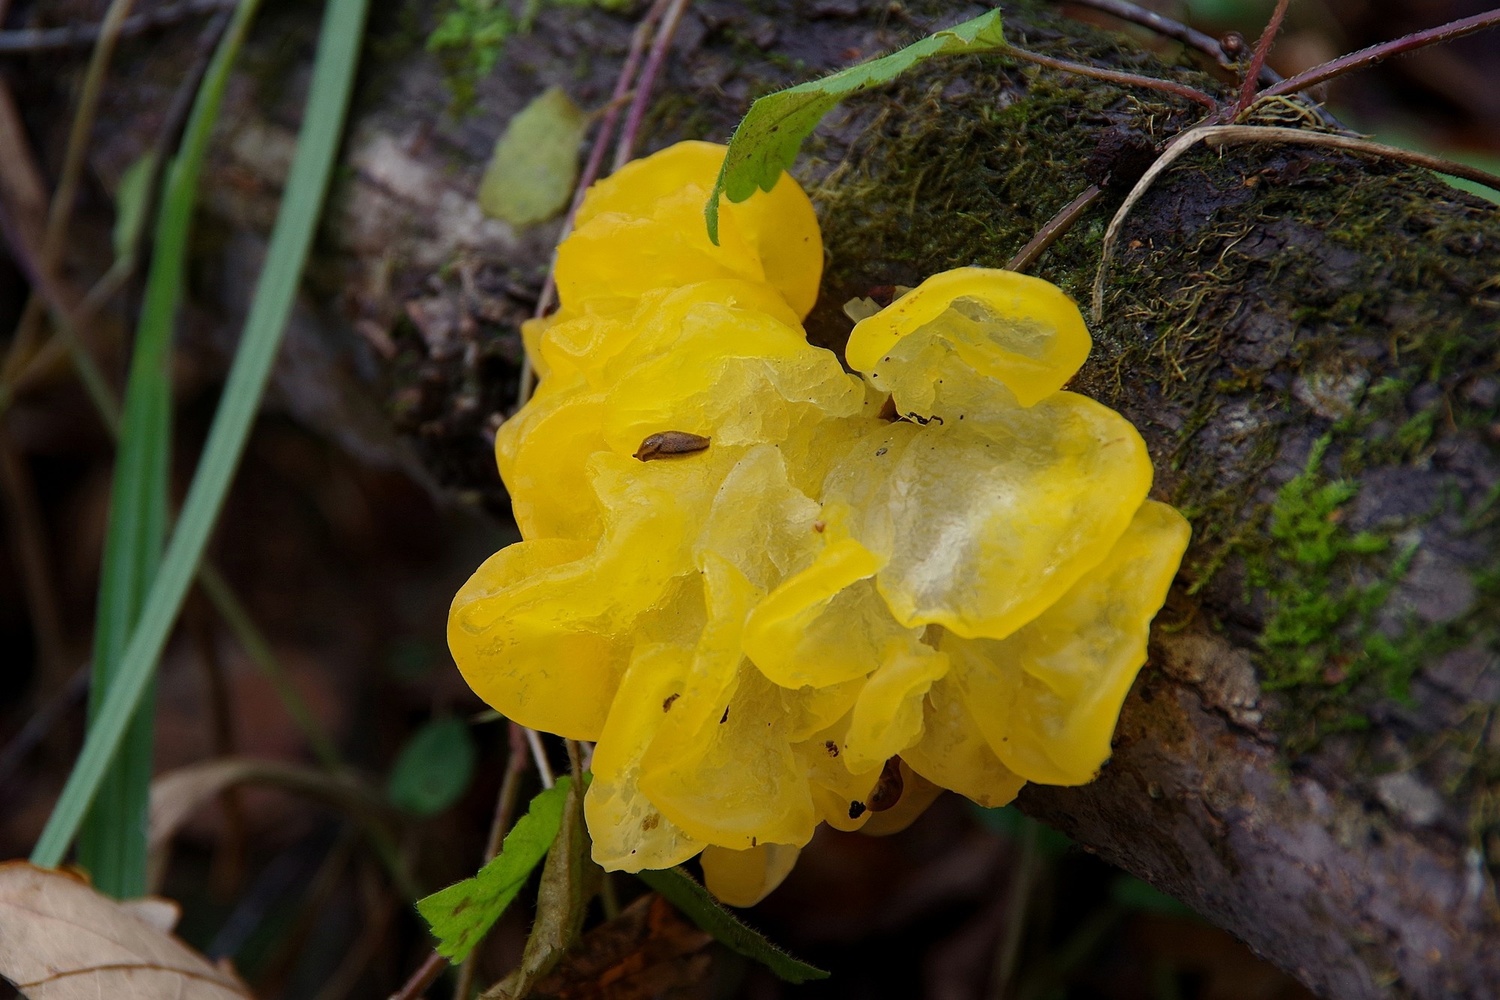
{"x": 666, "y": 705}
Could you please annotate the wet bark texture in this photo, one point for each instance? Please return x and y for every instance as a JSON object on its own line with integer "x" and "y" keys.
{"x": 1307, "y": 341}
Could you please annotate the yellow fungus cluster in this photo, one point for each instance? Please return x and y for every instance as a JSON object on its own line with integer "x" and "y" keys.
{"x": 778, "y": 594}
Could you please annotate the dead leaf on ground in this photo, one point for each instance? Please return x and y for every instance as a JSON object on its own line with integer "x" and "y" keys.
{"x": 61, "y": 940}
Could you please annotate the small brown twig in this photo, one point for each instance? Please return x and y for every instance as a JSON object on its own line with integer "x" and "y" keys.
{"x": 60, "y": 213}
{"x": 625, "y": 149}
{"x": 1168, "y": 28}
{"x": 1054, "y": 229}
{"x": 1115, "y": 76}
{"x": 1251, "y": 81}
{"x": 77, "y": 36}
{"x": 426, "y": 974}
{"x": 1366, "y": 57}
{"x": 44, "y": 287}
{"x": 591, "y": 169}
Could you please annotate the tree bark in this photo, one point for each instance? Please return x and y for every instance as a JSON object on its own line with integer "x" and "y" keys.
{"x": 1309, "y": 341}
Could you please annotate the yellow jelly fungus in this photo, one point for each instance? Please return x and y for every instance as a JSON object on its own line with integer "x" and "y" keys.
{"x": 771, "y": 604}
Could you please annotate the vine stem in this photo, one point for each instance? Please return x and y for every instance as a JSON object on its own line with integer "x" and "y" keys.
{"x": 1114, "y": 76}
{"x": 1169, "y": 28}
{"x": 642, "y": 100}
{"x": 1258, "y": 58}
{"x": 1369, "y": 56}
{"x": 426, "y": 974}
{"x": 1055, "y": 228}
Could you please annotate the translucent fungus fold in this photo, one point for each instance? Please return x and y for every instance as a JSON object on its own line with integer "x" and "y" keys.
{"x": 843, "y": 592}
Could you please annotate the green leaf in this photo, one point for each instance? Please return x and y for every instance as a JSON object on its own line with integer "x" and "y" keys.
{"x": 112, "y": 842}
{"x": 434, "y": 768}
{"x": 322, "y": 125}
{"x": 569, "y": 880}
{"x": 683, "y": 891}
{"x": 767, "y": 140}
{"x": 530, "y": 176}
{"x": 462, "y": 914}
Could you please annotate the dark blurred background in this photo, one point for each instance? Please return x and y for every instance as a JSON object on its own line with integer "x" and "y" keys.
{"x": 347, "y": 568}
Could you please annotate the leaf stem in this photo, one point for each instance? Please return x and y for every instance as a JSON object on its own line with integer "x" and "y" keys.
{"x": 1054, "y": 229}
{"x": 1366, "y": 57}
{"x": 1114, "y": 76}
{"x": 642, "y": 100}
{"x": 426, "y": 974}
{"x": 1258, "y": 58}
{"x": 1169, "y": 28}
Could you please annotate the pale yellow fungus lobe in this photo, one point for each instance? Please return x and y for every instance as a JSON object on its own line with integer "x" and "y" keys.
{"x": 827, "y": 615}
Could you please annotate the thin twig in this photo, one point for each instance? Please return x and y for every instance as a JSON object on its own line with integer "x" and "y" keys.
{"x": 45, "y": 288}
{"x": 1168, "y": 28}
{"x": 643, "y": 87}
{"x": 623, "y": 86}
{"x": 209, "y": 578}
{"x": 539, "y": 757}
{"x": 1239, "y": 134}
{"x": 77, "y": 36}
{"x": 1054, "y": 229}
{"x": 60, "y": 213}
{"x": 1115, "y": 76}
{"x": 1258, "y": 58}
{"x": 426, "y": 974}
{"x": 1367, "y": 57}
{"x": 60, "y": 210}
{"x": 124, "y": 267}
{"x": 1176, "y": 30}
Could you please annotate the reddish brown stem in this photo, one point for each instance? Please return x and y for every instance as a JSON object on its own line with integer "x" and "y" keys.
{"x": 591, "y": 170}
{"x": 1258, "y": 58}
{"x": 1164, "y": 26}
{"x": 1055, "y": 228}
{"x": 416, "y": 987}
{"x": 643, "y": 87}
{"x": 1367, "y": 57}
{"x": 1114, "y": 76}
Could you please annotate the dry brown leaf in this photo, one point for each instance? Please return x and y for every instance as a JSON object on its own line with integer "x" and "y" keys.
{"x": 61, "y": 940}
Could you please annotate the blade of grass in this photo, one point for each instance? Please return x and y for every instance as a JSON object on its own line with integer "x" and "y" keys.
{"x": 332, "y": 81}
{"x": 112, "y": 840}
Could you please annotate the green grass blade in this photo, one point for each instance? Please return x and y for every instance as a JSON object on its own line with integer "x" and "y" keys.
{"x": 333, "y": 78}
{"x": 112, "y": 842}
